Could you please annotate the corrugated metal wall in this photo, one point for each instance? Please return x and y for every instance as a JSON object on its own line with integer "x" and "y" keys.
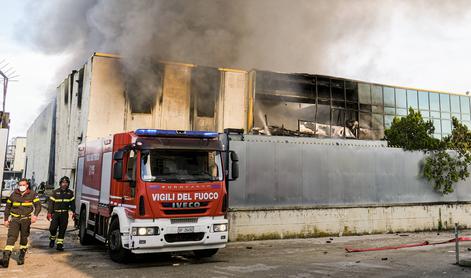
{"x": 287, "y": 172}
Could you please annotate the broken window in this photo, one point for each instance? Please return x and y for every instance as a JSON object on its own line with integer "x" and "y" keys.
{"x": 205, "y": 83}
{"x": 338, "y": 90}
{"x": 323, "y": 87}
{"x": 66, "y": 91}
{"x": 142, "y": 89}
{"x": 351, "y": 91}
{"x": 275, "y": 113}
{"x": 293, "y": 85}
{"x": 80, "y": 88}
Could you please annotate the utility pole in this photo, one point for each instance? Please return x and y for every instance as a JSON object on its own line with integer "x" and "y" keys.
{"x": 8, "y": 74}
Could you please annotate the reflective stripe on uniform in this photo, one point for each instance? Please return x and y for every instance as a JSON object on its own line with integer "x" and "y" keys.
{"x": 52, "y": 237}
{"x": 9, "y": 201}
{"x": 23, "y": 246}
{"x": 8, "y": 248}
{"x": 21, "y": 216}
{"x": 25, "y": 204}
{"x": 60, "y": 210}
{"x": 62, "y": 200}
{"x": 36, "y": 200}
{"x": 60, "y": 241}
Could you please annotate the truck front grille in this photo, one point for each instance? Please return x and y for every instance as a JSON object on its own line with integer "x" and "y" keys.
{"x": 183, "y": 220}
{"x": 185, "y": 211}
{"x": 184, "y": 237}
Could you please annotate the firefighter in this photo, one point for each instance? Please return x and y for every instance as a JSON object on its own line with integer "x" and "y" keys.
{"x": 60, "y": 202}
{"x": 18, "y": 218}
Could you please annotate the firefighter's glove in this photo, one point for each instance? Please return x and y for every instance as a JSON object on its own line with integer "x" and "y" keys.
{"x": 49, "y": 216}
{"x": 34, "y": 218}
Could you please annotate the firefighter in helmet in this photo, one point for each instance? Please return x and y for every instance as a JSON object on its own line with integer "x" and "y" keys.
{"x": 22, "y": 209}
{"x": 60, "y": 202}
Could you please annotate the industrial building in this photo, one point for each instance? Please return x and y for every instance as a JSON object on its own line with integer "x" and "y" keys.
{"x": 304, "y": 136}
{"x": 97, "y": 100}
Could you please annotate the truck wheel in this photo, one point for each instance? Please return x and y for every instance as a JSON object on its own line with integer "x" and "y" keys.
{"x": 117, "y": 252}
{"x": 84, "y": 237}
{"x": 205, "y": 253}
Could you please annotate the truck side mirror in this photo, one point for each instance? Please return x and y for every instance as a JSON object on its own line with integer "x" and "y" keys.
{"x": 234, "y": 166}
{"x": 118, "y": 155}
{"x": 118, "y": 170}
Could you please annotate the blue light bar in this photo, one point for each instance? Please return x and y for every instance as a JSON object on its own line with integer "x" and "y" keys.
{"x": 176, "y": 133}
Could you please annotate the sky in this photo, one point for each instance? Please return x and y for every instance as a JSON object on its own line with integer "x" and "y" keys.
{"x": 417, "y": 43}
{"x": 32, "y": 92}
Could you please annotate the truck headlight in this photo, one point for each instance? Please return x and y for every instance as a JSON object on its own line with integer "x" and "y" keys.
{"x": 145, "y": 231}
{"x": 220, "y": 227}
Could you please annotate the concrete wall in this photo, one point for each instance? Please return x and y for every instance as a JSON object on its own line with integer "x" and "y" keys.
{"x": 19, "y": 161}
{"x": 246, "y": 224}
{"x": 38, "y": 146}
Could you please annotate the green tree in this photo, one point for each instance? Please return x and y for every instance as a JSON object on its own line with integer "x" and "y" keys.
{"x": 448, "y": 159}
{"x": 412, "y": 133}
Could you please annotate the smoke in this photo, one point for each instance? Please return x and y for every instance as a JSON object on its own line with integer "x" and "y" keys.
{"x": 336, "y": 37}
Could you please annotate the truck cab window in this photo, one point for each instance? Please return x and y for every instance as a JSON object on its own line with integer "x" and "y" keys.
{"x": 181, "y": 166}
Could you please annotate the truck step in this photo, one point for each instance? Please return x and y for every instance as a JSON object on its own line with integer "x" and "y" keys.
{"x": 91, "y": 222}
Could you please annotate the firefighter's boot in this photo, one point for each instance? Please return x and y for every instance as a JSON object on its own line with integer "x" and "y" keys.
{"x": 60, "y": 247}
{"x": 51, "y": 243}
{"x": 6, "y": 258}
{"x": 21, "y": 258}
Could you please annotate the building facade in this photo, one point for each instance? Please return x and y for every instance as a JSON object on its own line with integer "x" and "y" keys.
{"x": 323, "y": 106}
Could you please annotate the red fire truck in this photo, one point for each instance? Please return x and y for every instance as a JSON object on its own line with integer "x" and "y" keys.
{"x": 152, "y": 191}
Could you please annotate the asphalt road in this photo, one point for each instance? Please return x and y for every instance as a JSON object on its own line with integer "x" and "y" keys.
{"x": 301, "y": 258}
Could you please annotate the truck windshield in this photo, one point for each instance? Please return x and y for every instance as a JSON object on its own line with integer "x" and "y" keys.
{"x": 179, "y": 166}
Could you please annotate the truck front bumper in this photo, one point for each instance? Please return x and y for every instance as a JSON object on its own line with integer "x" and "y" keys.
{"x": 175, "y": 235}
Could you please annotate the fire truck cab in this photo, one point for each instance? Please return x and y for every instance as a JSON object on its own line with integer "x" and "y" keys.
{"x": 152, "y": 191}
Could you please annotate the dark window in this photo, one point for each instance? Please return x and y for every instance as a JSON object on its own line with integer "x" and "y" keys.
{"x": 142, "y": 90}
{"x": 338, "y": 90}
{"x": 351, "y": 91}
{"x": 80, "y": 88}
{"x": 66, "y": 91}
{"x": 323, "y": 87}
{"x": 205, "y": 83}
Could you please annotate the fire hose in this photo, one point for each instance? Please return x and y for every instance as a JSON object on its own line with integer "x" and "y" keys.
{"x": 425, "y": 243}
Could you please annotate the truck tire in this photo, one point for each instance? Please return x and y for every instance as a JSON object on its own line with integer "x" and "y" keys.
{"x": 85, "y": 238}
{"x": 115, "y": 246}
{"x": 205, "y": 253}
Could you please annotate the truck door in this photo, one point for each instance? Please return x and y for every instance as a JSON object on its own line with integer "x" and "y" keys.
{"x": 129, "y": 191}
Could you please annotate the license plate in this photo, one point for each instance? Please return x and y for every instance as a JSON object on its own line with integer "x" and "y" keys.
{"x": 189, "y": 229}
